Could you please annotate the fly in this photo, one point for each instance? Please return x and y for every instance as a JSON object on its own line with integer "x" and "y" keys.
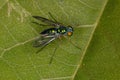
{"x": 48, "y": 35}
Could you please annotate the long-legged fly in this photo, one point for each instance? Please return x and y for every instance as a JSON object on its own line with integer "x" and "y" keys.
{"x": 48, "y": 35}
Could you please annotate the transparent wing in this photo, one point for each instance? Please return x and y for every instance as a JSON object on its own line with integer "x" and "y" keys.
{"x": 50, "y": 22}
{"x": 42, "y": 41}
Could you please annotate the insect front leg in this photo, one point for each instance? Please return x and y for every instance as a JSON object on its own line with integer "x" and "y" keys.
{"x": 72, "y": 43}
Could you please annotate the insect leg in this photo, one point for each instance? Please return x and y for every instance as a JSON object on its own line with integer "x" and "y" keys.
{"x": 52, "y": 55}
{"x": 72, "y": 43}
{"x": 52, "y": 17}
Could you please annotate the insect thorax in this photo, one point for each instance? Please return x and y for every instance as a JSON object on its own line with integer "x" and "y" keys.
{"x": 49, "y": 31}
{"x": 62, "y": 30}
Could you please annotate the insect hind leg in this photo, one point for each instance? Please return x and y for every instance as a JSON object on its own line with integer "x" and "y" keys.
{"x": 52, "y": 55}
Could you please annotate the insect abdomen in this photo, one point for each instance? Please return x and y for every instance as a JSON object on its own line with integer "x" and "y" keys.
{"x": 49, "y": 31}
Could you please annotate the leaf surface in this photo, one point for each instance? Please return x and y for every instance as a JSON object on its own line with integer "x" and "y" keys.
{"x": 18, "y": 58}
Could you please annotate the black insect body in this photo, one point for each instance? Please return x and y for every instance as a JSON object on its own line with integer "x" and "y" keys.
{"x": 51, "y": 34}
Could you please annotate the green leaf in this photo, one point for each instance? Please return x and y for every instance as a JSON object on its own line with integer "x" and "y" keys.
{"x": 18, "y": 58}
{"x": 102, "y": 59}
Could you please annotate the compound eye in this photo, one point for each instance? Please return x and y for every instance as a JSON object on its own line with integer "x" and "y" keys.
{"x": 69, "y": 33}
